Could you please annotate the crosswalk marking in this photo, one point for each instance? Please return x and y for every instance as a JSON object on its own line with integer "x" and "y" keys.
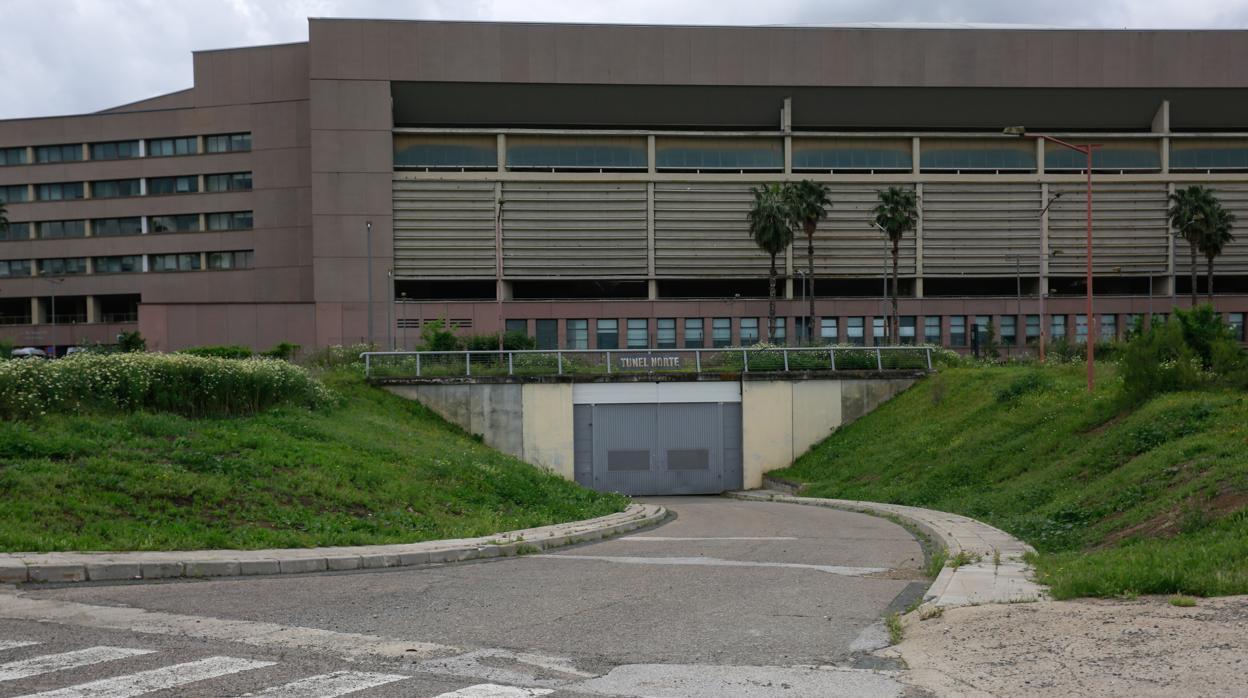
{"x": 156, "y": 679}
{"x": 14, "y": 644}
{"x": 48, "y": 663}
{"x": 338, "y": 683}
{"x": 493, "y": 690}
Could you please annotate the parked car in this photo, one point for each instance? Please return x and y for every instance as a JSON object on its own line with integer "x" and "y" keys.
{"x": 29, "y": 353}
{"x": 76, "y": 350}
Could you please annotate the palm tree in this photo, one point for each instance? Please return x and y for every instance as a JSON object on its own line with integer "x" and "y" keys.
{"x": 769, "y": 226}
{"x": 1190, "y": 212}
{"x": 808, "y": 203}
{"x": 895, "y": 215}
{"x": 1217, "y": 235}
{"x": 4, "y": 218}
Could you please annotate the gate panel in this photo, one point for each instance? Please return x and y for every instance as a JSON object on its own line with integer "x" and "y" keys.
{"x": 583, "y": 445}
{"x": 623, "y": 436}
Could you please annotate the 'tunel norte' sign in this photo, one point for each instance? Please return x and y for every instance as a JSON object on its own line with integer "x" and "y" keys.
{"x": 649, "y": 362}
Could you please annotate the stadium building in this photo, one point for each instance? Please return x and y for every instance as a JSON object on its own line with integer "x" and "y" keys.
{"x": 589, "y": 185}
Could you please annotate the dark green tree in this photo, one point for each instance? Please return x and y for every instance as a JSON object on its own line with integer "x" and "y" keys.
{"x": 808, "y": 203}
{"x": 770, "y": 228}
{"x": 1191, "y": 209}
{"x": 1216, "y": 236}
{"x": 896, "y": 214}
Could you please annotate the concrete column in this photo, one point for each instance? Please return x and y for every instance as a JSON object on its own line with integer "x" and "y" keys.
{"x": 918, "y": 246}
{"x": 652, "y": 290}
{"x": 1161, "y": 124}
{"x": 1043, "y": 269}
{"x": 501, "y": 150}
{"x": 788, "y": 272}
{"x": 652, "y": 285}
{"x": 93, "y": 312}
{"x": 651, "y": 163}
{"x": 788, "y": 154}
{"x": 1039, "y": 156}
{"x": 916, "y": 154}
{"x": 88, "y": 228}
{"x": 36, "y": 315}
{"x": 1170, "y": 248}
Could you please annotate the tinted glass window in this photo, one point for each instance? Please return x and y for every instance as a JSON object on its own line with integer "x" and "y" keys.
{"x": 63, "y": 191}
{"x": 12, "y": 156}
{"x": 174, "y": 224}
{"x": 59, "y": 153}
{"x": 238, "y": 181}
{"x": 15, "y": 231}
{"x": 186, "y": 184}
{"x": 116, "y": 150}
{"x": 107, "y": 227}
{"x": 13, "y": 193}
{"x": 115, "y": 188}
{"x": 52, "y": 230}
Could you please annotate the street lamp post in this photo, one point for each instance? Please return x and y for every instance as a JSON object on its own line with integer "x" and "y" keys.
{"x": 1087, "y": 150}
{"x": 803, "y": 330}
{"x": 403, "y": 321}
{"x": 368, "y": 243}
{"x": 55, "y": 283}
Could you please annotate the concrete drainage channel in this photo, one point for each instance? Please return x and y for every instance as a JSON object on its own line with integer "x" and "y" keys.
{"x": 19, "y": 568}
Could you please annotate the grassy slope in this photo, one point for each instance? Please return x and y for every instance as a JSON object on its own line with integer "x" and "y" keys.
{"x": 376, "y": 469}
{"x": 1117, "y": 501}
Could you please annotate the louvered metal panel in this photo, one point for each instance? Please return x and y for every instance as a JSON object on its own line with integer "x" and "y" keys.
{"x": 981, "y": 229}
{"x": 848, "y": 243}
{"x": 574, "y": 229}
{"x": 1234, "y": 259}
{"x": 1129, "y": 229}
{"x": 443, "y": 229}
{"x": 701, "y": 230}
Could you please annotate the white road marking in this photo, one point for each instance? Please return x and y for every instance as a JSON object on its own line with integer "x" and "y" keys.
{"x": 338, "y": 683}
{"x": 665, "y": 539}
{"x": 493, "y": 690}
{"x": 17, "y": 607}
{"x": 48, "y": 663}
{"x": 154, "y": 680}
{"x": 14, "y": 644}
{"x": 716, "y": 562}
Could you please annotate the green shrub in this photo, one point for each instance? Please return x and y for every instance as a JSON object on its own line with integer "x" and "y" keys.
{"x": 188, "y": 385}
{"x": 336, "y": 356}
{"x": 219, "y": 351}
{"x": 1030, "y": 382}
{"x": 434, "y": 336}
{"x": 284, "y": 351}
{"x": 512, "y": 341}
{"x": 6, "y": 349}
{"x": 1157, "y": 361}
{"x": 131, "y": 342}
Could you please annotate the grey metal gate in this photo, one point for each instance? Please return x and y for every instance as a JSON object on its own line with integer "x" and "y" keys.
{"x": 658, "y": 448}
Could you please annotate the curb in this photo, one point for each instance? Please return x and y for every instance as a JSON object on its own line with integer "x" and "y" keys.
{"x": 983, "y": 580}
{"x": 18, "y": 568}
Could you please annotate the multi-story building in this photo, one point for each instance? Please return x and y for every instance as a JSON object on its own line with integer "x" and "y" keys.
{"x": 589, "y": 185}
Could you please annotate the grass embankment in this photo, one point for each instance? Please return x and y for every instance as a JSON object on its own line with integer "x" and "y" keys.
{"x": 1117, "y": 500}
{"x": 368, "y": 468}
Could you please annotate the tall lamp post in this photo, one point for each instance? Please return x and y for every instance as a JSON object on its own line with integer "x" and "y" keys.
{"x": 1043, "y": 286}
{"x": 55, "y": 283}
{"x": 368, "y": 243}
{"x": 1087, "y": 150}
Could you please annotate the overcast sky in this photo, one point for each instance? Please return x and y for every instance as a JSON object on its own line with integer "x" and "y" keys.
{"x": 75, "y": 56}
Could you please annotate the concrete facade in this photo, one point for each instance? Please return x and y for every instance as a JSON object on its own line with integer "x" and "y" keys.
{"x": 635, "y": 234}
{"x": 781, "y": 418}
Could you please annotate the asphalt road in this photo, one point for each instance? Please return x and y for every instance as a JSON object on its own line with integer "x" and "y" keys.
{"x": 728, "y": 598}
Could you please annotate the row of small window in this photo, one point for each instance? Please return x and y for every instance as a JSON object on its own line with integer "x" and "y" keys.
{"x": 122, "y": 264}
{"x": 118, "y": 188}
{"x": 125, "y": 150}
{"x": 1006, "y": 330}
{"x": 132, "y": 225}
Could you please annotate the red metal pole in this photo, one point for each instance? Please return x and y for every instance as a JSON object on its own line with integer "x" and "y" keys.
{"x": 1091, "y": 335}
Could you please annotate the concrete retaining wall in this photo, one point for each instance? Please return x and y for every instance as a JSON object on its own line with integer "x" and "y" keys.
{"x": 781, "y": 418}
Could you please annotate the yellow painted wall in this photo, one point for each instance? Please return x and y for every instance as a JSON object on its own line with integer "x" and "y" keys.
{"x": 816, "y": 412}
{"x": 547, "y": 410}
{"x": 767, "y": 438}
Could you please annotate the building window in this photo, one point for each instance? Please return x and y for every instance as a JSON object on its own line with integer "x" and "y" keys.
{"x": 53, "y": 230}
{"x": 906, "y": 329}
{"x": 115, "y": 188}
{"x": 1009, "y": 330}
{"x": 516, "y": 326}
{"x": 1109, "y": 327}
{"x": 174, "y": 262}
{"x": 638, "y": 333}
{"x": 854, "y": 331}
{"x": 981, "y": 327}
{"x": 1236, "y": 322}
{"x": 547, "y": 334}
{"x": 159, "y": 186}
{"x": 697, "y": 154}
{"x": 12, "y": 156}
{"x": 15, "y": 267}
{"x": 1135, "y": 324}
{"x": 1081, "y": 328}
{"x": 1033, "y": 328}
{"x": 878, "y": 330}
{"x": 115, "y": 150}
{"x": 121, "y": 264}
{"x": 749, "y": 331}
{"x": 721, "y": 332}
{"x": 63, "y": 265}
{"x": 15, "y": 231}
{"x": 827, "y": 330}
{"x": 59, "y": 153}
{"x": 931, "y": 329}
{"x": 778, "y": 331}
{"x": 60, "y": 191}
{"x": 188, "y": 223}
{"x": 240, "y": 259}
{"x": 13, "y": 193}
{"x": 614, "y": 153}
{"x": 608, "y": 334}
{"x": 237, "y": 181}
{"x": 111, "y": 227}
{"x": 238, "y": 220}
{"x": 578, "y": 334}
{"x": 957, "y": 330}
{"x": 665, "y": 333}
{"x": 164, "y": 147}
{"x": 1057, "y": 327}
{"x": 693, "y": 333}
{"x": 228, "y": 143}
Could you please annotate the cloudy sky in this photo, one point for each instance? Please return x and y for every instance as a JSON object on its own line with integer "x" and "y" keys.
{"x": 74, "y": 56}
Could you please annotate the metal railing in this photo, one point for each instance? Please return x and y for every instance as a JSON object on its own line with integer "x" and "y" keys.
{"x": 606, "y": 362}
